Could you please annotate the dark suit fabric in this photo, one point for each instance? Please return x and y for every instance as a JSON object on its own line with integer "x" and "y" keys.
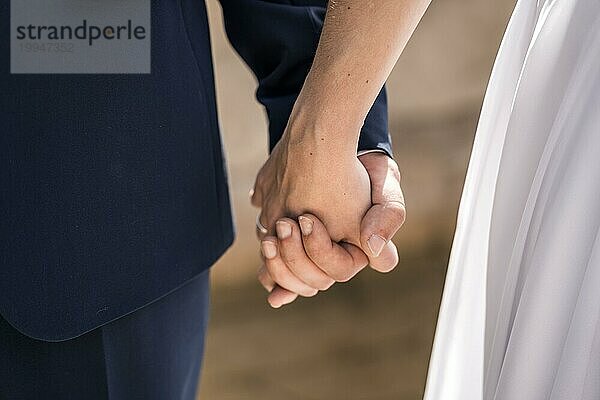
{"x": 113, "y": 190}
{"x": 154, "y": 353}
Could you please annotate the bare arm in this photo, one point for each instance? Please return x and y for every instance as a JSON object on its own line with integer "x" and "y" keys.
{"x": 359, "y": 46}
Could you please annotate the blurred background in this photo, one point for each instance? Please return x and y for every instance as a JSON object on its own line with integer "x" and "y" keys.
{"x": 369, "y": 338}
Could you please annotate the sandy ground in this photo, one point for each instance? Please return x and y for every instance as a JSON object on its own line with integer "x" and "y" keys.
{"x": 370, "y": 338}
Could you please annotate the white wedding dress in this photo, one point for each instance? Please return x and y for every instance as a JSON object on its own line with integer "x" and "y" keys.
{"x": 520, "y": 315}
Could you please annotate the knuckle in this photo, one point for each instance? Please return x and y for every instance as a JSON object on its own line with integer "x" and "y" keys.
{"x": 396, "y": 172}
{"x": 315, "y": 253}
{"x": 397, "y": 212}
{"x": 321, "y": 283}
{"x": 309, "y": 292}
{"x": 344, "y": 278}
{"x": 394, "y": 169}
{"x": 289, "y": 259}
{"x": 361, "y": 263}
{"x": 344, "y": 275}
{"x": 326, "y": 284}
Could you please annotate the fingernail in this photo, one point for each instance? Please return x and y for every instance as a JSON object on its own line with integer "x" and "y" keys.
{"x": 284, "y": 230}
{"x": 268, "y": 249}
{"x": 376, "y": 244}
{"x": 306, "y": 225}
{"x": 251, "y": 193}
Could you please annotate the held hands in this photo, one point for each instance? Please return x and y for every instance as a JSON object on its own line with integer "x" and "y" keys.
{"x": 317, "y": 176}
{"x": 304, "y": 176}
{"x": 328, "y": 216}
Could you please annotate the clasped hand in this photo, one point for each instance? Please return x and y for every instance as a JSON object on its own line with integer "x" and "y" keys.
{"x": 328, "y": 215}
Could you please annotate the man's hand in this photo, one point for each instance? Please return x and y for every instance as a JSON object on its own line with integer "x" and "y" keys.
{"x": 304, "y": 259}
{"x": 386, "y": 214}
{"x": 306, "y": 174}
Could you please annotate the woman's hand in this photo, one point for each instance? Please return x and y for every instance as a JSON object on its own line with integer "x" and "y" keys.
{"x": 306, "y": 175}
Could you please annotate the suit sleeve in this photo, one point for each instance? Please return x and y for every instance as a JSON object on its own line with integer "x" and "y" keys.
{"x": 278, "y": 40}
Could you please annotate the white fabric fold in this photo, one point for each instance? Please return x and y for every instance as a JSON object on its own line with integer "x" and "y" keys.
{"x": 518, "y": 318}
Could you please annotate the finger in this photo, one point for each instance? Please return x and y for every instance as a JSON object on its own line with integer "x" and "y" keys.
{"x": 267, "y": 219}
{"x": 388, "y": 213}
{"x": 339, "y": 262}
{"x": 280, "y": 297}
{"x": 265, "y": 279}
{"x": 385, "y": 178}
{"x": 359, "y": 258}
{"x": 379, "y": 225}
{"x": 387, "y": 260}
{"x": 261, "y": 233}
{"x": 281, "y": 273}
{"x": 293, "y": 254}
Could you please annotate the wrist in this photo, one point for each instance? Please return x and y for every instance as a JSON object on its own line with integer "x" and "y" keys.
{"x": 320, "y": 134}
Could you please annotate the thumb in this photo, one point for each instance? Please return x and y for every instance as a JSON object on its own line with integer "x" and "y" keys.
{"x": 379, "y": 225}
{"x": 387, "y": 260}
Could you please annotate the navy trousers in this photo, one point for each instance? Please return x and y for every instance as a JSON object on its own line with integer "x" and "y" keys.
{"x": 153, "y": 353}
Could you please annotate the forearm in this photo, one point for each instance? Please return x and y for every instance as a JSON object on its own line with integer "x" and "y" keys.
{"x": 360, "y": 43}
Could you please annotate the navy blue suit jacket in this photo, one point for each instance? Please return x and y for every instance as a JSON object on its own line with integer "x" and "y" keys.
{"x": 113, "y": 189}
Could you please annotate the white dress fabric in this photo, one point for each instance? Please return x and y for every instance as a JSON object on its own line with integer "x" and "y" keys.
{"x": 520, "y": 315}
